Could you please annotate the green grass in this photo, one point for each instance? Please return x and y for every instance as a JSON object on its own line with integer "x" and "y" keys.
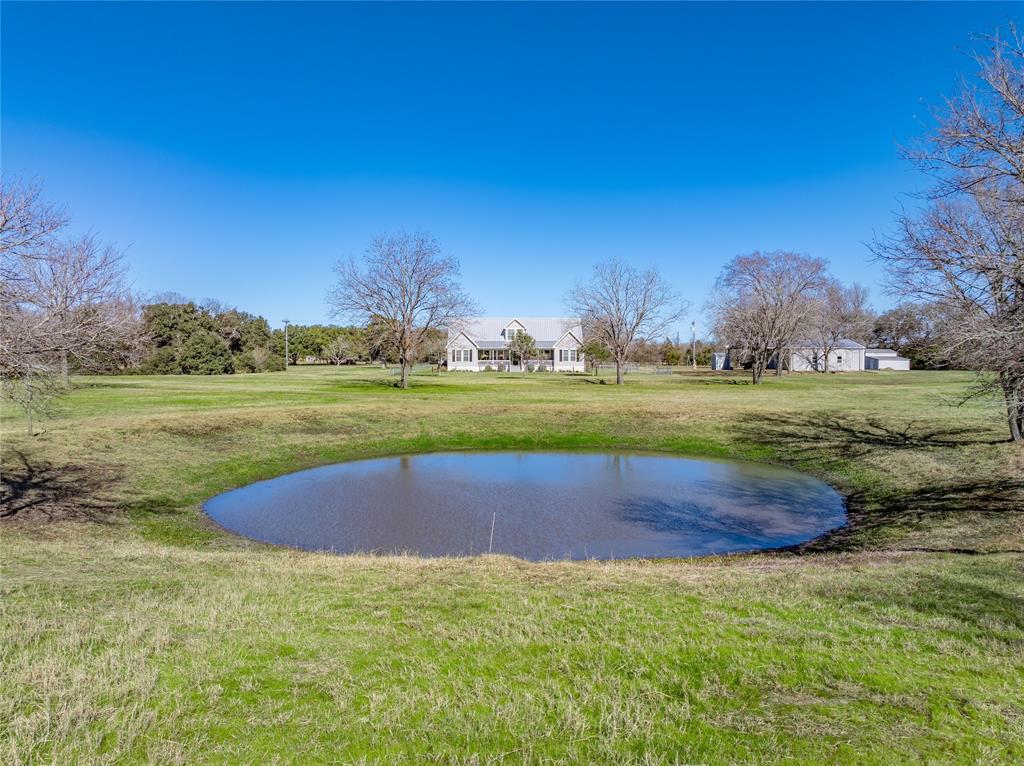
{"x": 136, "y": 631}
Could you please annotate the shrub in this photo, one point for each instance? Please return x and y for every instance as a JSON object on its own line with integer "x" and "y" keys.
{"x": 205, "y": 353}
{"x": 274, "y": 363}
{"x": 246, "y": 362}
{"x": 162, "y": 361}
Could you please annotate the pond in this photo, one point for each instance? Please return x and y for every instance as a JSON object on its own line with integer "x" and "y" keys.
{"x": 534, "y": 505}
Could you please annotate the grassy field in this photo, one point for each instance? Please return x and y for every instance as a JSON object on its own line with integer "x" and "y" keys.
{"x": 136, "y": 631}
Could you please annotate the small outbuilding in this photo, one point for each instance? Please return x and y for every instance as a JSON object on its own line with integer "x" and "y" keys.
{"x": 720, "y": 361}
{"x": 884, "y": 359}
{"x": 846, "y": 356}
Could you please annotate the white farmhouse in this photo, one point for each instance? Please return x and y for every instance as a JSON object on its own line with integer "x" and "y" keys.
{"x": 884, "y": 359}
{"x": 482, "y": 342}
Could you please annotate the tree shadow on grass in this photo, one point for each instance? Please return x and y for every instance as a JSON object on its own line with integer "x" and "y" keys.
{"x": 908, "y": 511}
{"x": 36, "y": 490}
{"x": 816, "y": 431}
{"x": 719, "y": 380}
{"x": 832, "y": 440}
{"x": 984, "y": 607}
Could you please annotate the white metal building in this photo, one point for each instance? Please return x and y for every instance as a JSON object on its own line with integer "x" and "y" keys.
{"x": 884, "y": 359}
{"x": 847, "y": 356}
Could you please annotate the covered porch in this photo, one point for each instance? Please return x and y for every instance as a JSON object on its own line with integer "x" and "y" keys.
{"x": 505, "y": 359}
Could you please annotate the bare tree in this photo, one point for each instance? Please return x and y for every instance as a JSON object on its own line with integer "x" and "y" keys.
{"x": 762, "y": 300}
{"x": 403, "y": 291}
{"x": 523, "y": 346}
{"x": 35, "y": 392}
{"x": 336, "y": 349}
{"x": 964, "y": 254}
{"x": 28, "y": 225}
{"x": 346, "y": 346}
{"x": 978, "y": 136}
{"x": 28, "y": 228}
{"x": 78, "y": 288}
{"x": 838, "y": 312}
{"x": 58, "y": 300}
{"x": 621, "y": 305}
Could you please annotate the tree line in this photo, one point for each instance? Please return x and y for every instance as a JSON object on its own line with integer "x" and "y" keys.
{"x": 210, "y": 338}
{"x": 956, "y": 263}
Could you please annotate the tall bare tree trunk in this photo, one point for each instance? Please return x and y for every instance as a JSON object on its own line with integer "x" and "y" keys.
{"x": 404, "y": 382}
{"x": 619, "y": 380}
{"x": 65, "y": 377}
{"x": 28, "y": 401}
{"x": 757, "y": 365}
{"x": 1014, "y": 406}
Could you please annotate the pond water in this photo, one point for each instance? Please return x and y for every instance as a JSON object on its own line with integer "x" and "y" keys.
{"x": 542, "y": 505}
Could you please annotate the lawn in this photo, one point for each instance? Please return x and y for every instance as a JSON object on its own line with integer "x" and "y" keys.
{"x": 136, "y": 631}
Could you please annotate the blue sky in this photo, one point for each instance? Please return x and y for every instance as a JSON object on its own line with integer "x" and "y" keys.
{"x": 238, "y": 150}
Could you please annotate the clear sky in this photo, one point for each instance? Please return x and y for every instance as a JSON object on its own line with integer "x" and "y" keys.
{"x": 239, "y": 149}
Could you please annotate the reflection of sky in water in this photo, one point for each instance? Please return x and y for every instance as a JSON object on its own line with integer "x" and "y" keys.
{"x": 545, "y": 505}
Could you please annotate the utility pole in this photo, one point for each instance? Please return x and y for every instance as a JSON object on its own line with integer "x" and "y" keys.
{"x": 693, "y": 344}
{"x": 286, "y": 357}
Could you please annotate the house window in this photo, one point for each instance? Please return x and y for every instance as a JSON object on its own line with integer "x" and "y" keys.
{"x": 463, "y": 355}
{"x": 568, "y": 355}
{"x": 839, "y": 358}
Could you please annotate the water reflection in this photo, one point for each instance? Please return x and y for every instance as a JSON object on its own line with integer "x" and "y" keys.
{"x": 545, "y": 505}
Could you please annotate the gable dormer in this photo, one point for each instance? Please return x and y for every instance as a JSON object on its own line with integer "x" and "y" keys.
{"x": 512, "y": 328}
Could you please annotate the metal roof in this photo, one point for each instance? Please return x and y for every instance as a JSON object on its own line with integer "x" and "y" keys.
{"x": 546, "y": 331}
{"x": 540, "y": 344}
{"x": 843, "y": 343}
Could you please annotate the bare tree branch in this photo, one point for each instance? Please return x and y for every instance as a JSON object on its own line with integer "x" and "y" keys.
{"x": 621, "y": 305}
{"x": 837, "y": 312}
{"x": 403, "y": 291}
{"x": 964, "y": 254}
{"x": 762, "y": 301}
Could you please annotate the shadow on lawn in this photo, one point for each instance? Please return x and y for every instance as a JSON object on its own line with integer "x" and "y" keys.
{"x": 833, "y": 440}
{"x": 854, "y": 436}
{"x": 41, "y": 491}
{"x": 910, "y": 510}
{"x": 981, "y": 602}
{"x": 718, "y": 382}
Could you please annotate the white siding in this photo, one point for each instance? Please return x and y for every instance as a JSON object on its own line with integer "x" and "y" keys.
{"x": 840, "y": 360}
{"x": 886, "y": 363}
{"x": 568, "y": 342}
{"x": 552, "y": 334}
{"x": 462, "y": 344}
